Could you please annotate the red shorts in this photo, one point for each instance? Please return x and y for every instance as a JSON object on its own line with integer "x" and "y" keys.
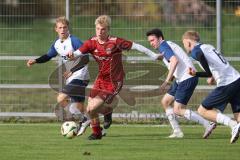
{"x": 106, "y": 90}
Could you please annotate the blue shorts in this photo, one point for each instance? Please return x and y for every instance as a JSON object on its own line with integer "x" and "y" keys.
{"x": 76, "y": 90}
{"x": 183, "y": 91}
{"x": 221, "y": 96}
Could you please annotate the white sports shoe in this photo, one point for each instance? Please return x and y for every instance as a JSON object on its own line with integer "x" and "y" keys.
{"x": 83, "y": 126}
{"x": 235, "y": 133}
{"x": 209, "y": 129}
{"x": 176, "y": 134}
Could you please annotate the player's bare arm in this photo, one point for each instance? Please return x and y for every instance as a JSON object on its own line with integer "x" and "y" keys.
{"x": 173, "y": 66}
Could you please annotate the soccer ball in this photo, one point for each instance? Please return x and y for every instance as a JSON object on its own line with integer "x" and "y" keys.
{"x": 69, "y": 129}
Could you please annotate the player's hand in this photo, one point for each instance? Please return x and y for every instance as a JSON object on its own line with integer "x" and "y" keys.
{"x": 67, "y": 74}
{"x": 211, "y": 81}
{"x": 191, "y": 71}
{"x": 172, "y": 78}
{"x": 31, "y": 62}
{"x": 160, "y": 56}
{"x": 164, "y": 87}
{"x": 70, "y": 55}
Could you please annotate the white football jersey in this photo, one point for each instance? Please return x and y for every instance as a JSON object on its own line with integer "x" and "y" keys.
{"x": 222, "y": 71}
{"x": 169, "y": 48}
{"x": 62, "y": 48}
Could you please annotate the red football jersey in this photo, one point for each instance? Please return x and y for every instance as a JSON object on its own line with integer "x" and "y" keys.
{"x": 108, "y": 56}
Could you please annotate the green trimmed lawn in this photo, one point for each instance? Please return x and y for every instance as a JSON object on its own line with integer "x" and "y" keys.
{"x": 123, "y": 142}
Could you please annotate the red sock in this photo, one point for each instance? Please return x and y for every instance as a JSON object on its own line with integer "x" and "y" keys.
{"x": 96, "y": 127}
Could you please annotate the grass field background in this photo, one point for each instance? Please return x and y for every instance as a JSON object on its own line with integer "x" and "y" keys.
{"x": 123, "y": 142}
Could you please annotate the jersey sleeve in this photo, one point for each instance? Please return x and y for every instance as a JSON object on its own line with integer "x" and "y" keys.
{"x": 52, "y": 51}
{"x": 124, "y": 44}
{"x": 166, "y": 50}
{"x": 198, "y": 55}
{"x": 50, "y": 54}
{"x": 76, "y": 42}
{"x": 87, "y": 47}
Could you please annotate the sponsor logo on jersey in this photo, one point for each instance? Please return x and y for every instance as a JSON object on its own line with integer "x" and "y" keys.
{"x": 102, "y": 58}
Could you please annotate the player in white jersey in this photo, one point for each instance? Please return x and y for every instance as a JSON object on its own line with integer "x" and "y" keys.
{"x": 181, "y": 90}
{"x": 218, "y": 69}
{"x": 77, "y": 78}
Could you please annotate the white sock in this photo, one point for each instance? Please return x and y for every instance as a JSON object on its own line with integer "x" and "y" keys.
{"x": 193, "y": 116}
{"x": 172, "y": 119}
{"x": 75, "y": 111}
{"x": 223, "y": 119}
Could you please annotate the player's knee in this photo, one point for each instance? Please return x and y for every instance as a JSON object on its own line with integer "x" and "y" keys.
{"x": 165, "y": 103}
{"x": 62, "y": 99}
{"x": 88, "y": 111}
{"x": 237, "y": 117}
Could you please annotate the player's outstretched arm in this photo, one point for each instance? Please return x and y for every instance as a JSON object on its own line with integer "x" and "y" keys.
{"x": 199, "y": 56}
{"x": 44, "y": 58}
{"x": 147, "y": 51}
{"x": 73, "y": 55}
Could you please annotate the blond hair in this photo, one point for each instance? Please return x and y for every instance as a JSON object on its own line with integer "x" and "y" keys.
{"x": 192, "y": 35}
{"x": 62, "y": 20}
{"x": 103, "y": 20}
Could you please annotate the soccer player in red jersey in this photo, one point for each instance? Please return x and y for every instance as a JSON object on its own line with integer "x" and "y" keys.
{"x": 107, "y": 51}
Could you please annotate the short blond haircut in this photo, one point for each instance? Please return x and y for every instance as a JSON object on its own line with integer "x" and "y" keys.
{"x": 62, "y": 20}
{"x": 192, "y": 35}
{"x": 103, "y": 20}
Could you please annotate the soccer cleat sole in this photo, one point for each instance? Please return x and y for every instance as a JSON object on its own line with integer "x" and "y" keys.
{"x": 236, "y": 137}
{"x": 205, "y": 136}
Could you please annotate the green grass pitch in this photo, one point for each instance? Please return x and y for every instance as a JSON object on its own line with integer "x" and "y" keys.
{"x": 123, "y": 142}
